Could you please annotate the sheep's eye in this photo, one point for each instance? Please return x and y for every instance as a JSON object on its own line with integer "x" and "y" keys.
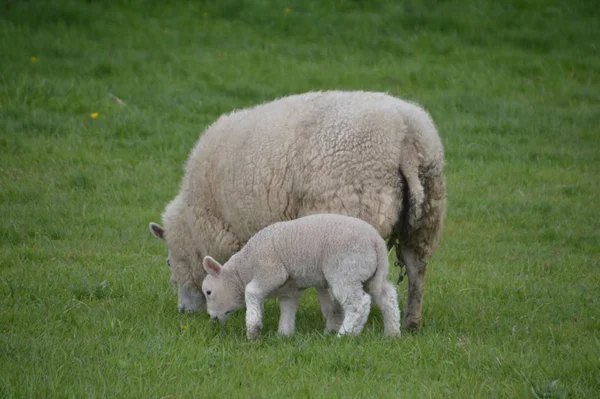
{"x": 208, "y": 292}
{"x": 229, "y": 312}
{"x": 168, "y": 262}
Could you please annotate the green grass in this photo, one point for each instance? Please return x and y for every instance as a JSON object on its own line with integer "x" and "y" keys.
{"x": 512, "y": 305}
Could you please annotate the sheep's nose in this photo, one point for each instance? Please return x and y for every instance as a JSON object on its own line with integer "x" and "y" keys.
{"x": 213, "y": 318}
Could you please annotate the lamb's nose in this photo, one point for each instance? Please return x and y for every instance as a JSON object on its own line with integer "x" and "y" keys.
{"x": 213, "y": 317}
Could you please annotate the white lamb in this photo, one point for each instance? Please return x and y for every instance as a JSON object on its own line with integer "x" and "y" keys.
{"x": 344, "y": 254}
{"x": 366, "y": 155}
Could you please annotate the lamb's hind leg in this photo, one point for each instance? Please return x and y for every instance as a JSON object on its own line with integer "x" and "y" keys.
{"x": 387, "y": 301}
{"x": 333, "y": 314}
{"x": 415, "y": 268}
{"x": 356, "y": 304}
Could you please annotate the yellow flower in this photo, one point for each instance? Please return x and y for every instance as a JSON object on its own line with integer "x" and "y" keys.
{"x": 184, "y": 327}
{"x": 34, "y": 59}
{"x": 287, "y": 10}
{"x": 94, "y": 115}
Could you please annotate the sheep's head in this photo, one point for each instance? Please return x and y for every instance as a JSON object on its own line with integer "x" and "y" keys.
{"x": 190, "y": 299}
{"x": 220, "y": 287}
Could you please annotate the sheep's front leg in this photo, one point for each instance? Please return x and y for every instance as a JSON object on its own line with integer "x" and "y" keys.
{"x": 288, "y": 306}
{"x": 254, "y": 310}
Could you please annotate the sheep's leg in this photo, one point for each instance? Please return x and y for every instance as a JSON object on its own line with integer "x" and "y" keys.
{"x": 387, "y": 302}
{"x": 356, "y": 304}
{"x": 288, "y": 306}
{"x": 415, "y": 268}
{"x": 333, "y": 314}
{"x": 254, "y": 310}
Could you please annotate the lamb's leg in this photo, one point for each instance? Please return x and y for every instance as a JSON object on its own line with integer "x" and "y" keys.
{"x": 415, "y": 268}
{"x": 333, "y": 314}
{"x": 288, "y": 306}
{"x": 254, "y": 310}
{"x": 387, "y": 302}
{"x": 356, "y": 304}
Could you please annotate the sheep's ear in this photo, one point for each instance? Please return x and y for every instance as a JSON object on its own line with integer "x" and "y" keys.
{"x": 157, "y": 231}
{"x": 211, "y": 266}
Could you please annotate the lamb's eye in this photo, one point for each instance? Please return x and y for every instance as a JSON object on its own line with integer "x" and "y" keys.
{"x": 208, "y": 292}
{"x": 168, "y": 262}
{"x": 229, "y": 312}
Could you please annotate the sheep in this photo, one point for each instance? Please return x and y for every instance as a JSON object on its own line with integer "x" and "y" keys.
{"x": 332, "y": 251}
{"x": 362, "y": 154}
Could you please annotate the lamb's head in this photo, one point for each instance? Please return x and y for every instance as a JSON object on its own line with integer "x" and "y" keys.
{"x": 190, "y": 298}
{"x": 222, "y": 290}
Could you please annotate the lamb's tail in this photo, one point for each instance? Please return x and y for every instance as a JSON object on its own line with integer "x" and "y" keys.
{"x": 383, "y": 267}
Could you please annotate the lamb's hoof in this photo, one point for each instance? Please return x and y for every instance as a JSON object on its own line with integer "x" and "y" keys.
{"x": 393, "y": 334}
{"x": 334, "y": 323}
{"x": 253, "y": 333}
{"x": 331, "y": 329}
{"x": 285, "y": 334}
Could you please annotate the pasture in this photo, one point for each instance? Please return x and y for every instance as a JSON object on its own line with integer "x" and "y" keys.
{"x": 102, "y": 101}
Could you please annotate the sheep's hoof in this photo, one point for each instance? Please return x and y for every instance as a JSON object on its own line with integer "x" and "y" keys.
{"x": 413, "y": 324}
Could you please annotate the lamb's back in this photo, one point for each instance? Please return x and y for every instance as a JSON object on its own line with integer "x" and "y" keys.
{"x": 306, "y": 246}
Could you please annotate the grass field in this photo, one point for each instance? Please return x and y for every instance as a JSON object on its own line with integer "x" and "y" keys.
{"x": 512, "y": 303}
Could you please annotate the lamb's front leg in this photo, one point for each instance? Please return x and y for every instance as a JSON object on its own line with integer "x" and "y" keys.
{"x": 288, "y": 306}
{"x": 254, "y": 310}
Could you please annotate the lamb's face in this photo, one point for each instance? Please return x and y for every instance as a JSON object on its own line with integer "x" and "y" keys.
{"x": 221, "y": 301}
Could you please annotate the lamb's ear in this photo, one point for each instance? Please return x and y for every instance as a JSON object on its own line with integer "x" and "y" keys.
{"x": 157, "y": 231}
{"x": 211, "y": 266}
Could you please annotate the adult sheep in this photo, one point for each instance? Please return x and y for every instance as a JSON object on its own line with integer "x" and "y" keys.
{"x": 361, "y": 154}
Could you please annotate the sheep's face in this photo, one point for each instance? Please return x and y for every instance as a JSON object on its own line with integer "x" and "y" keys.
{"x": 222, "y": 298}
{"x": 189, "y": 299}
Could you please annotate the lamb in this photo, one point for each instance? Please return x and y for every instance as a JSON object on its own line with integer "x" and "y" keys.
{"x": 361, "y": 154}
{"x": 332, "y": 251}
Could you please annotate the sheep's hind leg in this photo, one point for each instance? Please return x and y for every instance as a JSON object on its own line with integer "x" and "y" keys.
{"x": 415, "y": 268}
{"x": 288, "y": 306}
{"x": 356, "y": 304}
{"x": 333, "y": 314}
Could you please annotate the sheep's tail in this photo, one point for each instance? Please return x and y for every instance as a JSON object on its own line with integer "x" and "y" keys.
{"x": 423, "y": 200}
{"x": 414, "y": 193}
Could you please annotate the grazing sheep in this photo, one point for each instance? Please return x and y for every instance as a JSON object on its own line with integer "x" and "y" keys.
{"x": 361, "y": 154}
{"x": 332, "y": 251}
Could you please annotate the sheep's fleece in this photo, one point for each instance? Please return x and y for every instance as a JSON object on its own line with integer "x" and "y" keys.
{"x": 344, "y": 254}
{"x": 361, "y": 154}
